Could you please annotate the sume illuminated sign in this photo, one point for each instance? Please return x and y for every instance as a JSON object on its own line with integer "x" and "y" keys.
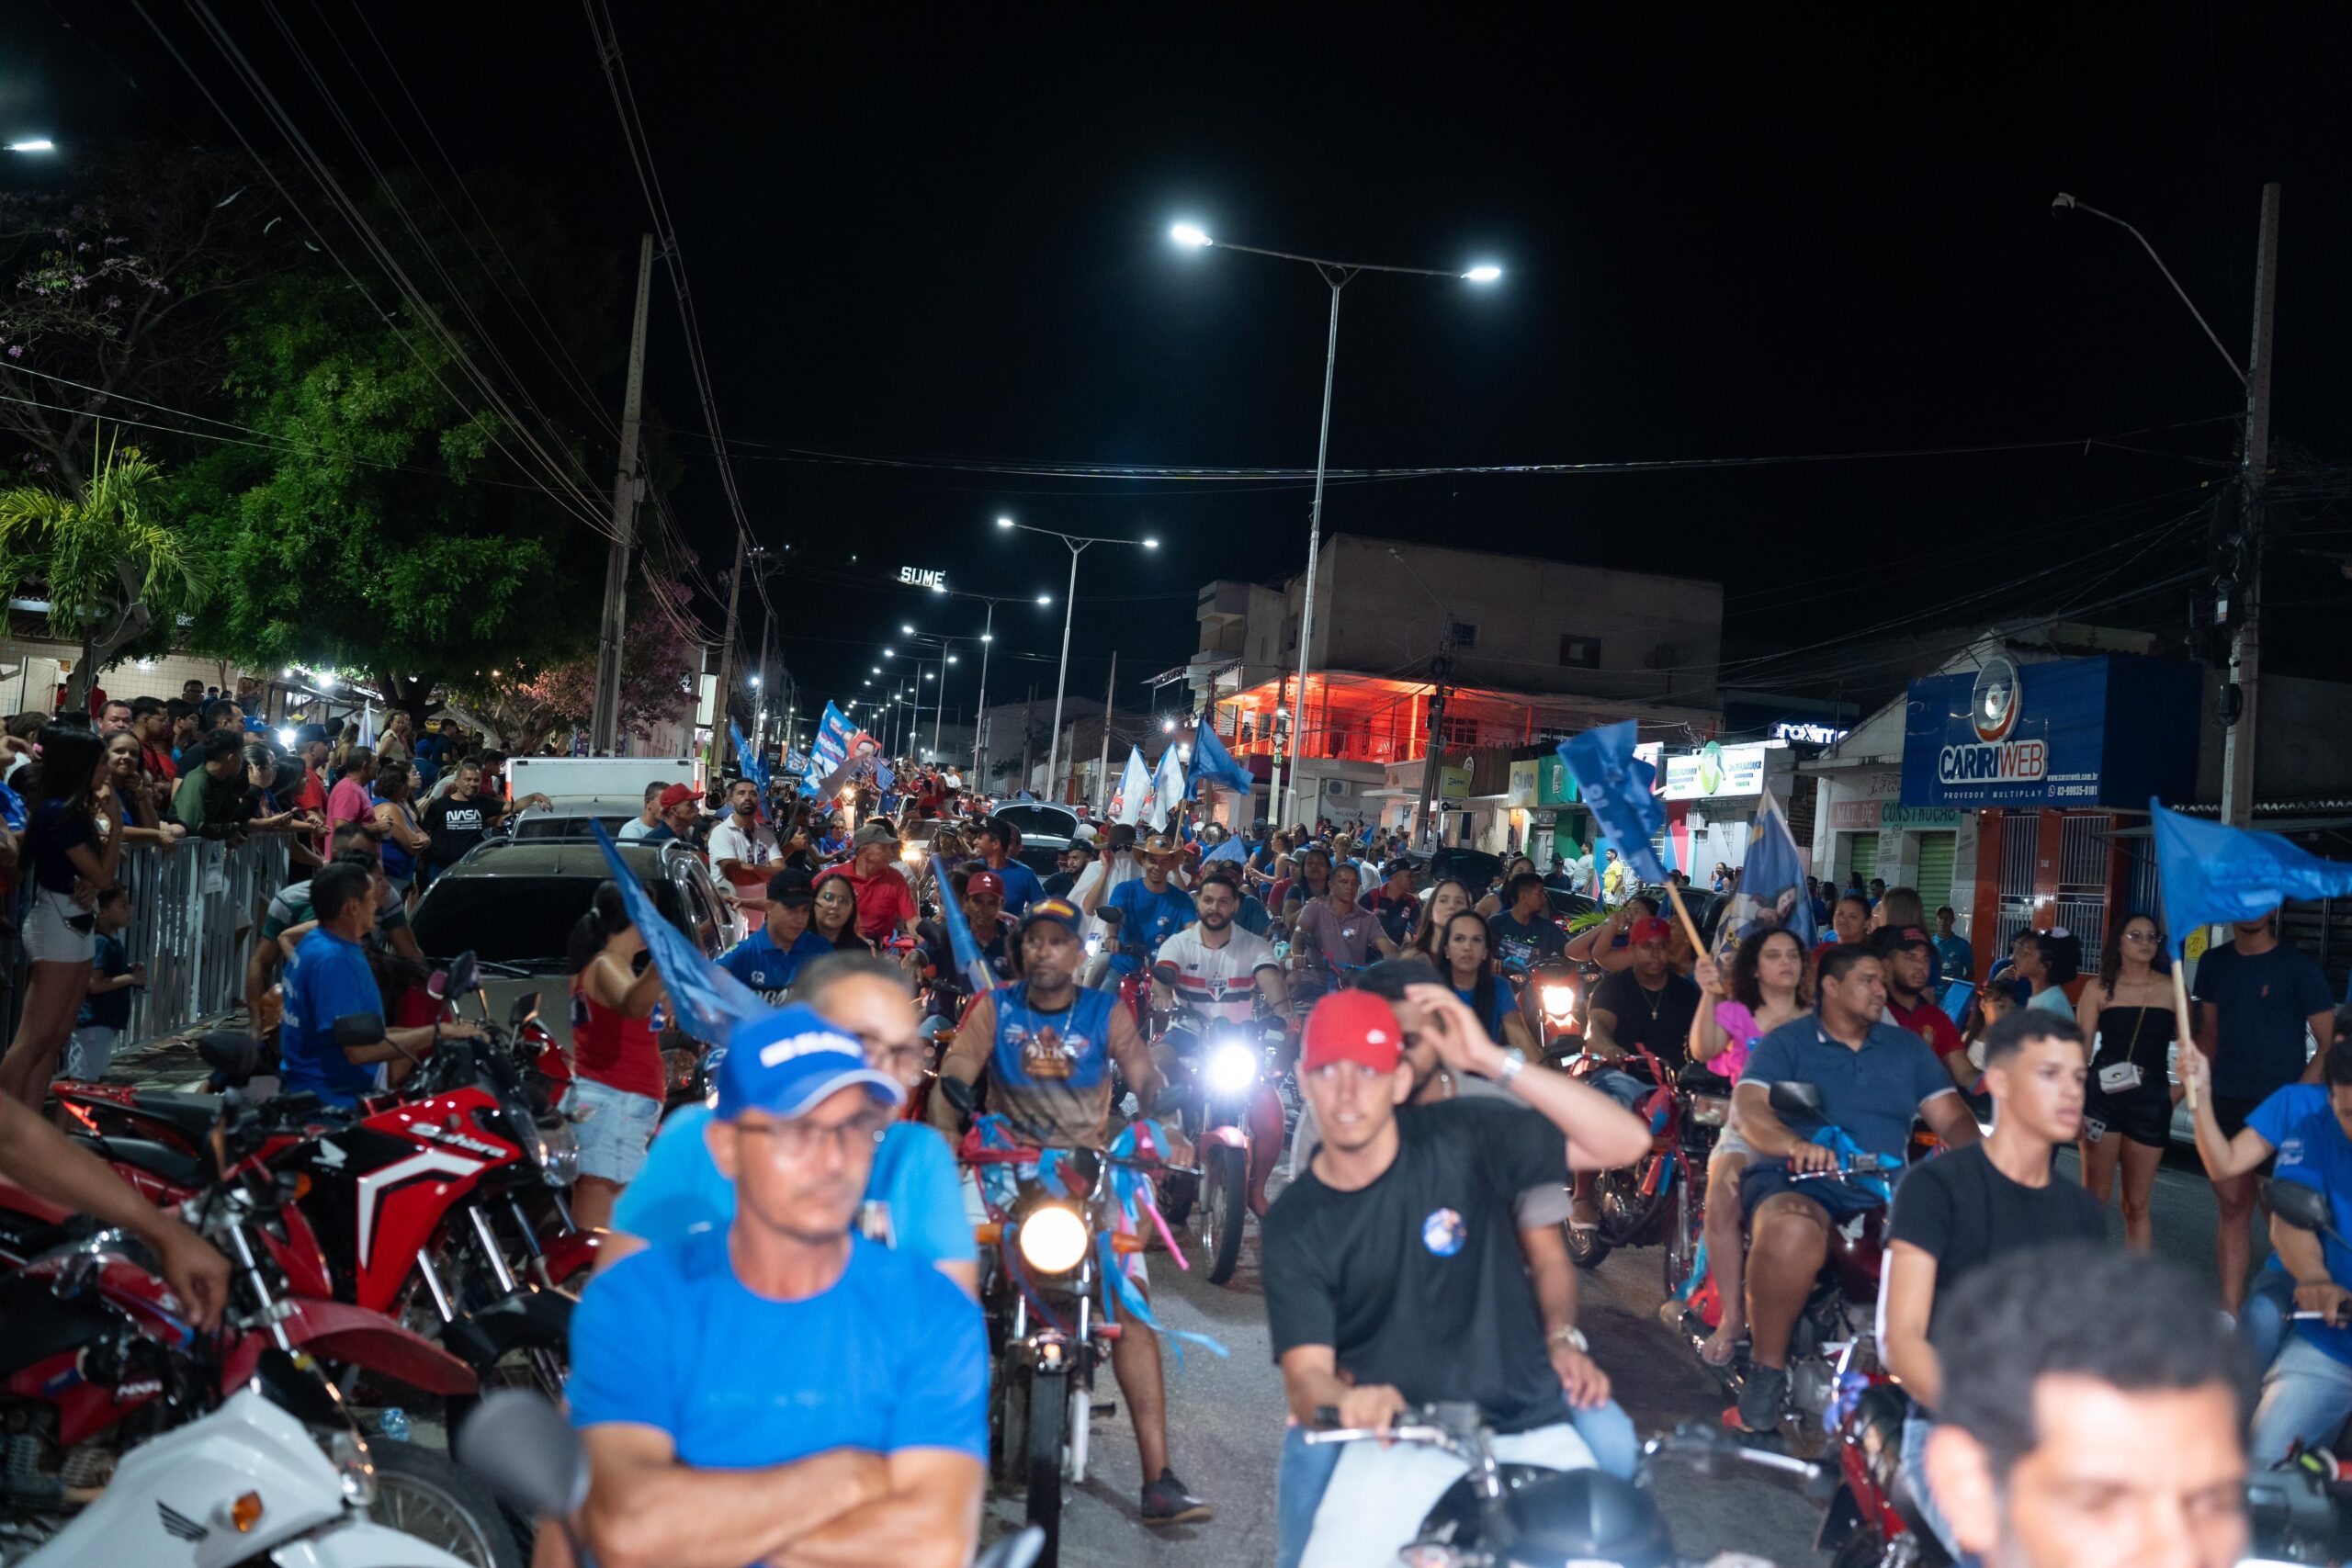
{"x": 918, "y": 577}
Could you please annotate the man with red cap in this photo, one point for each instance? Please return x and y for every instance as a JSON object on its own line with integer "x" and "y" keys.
{"x": 1393, "y": 1271}
{"x": 979, "y": 893}
{"x": 680, "y": 811}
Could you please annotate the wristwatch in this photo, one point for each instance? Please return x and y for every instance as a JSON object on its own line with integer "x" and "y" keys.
{"x": 1572, "y": 1338}
{"x": 1514, "y": 1063}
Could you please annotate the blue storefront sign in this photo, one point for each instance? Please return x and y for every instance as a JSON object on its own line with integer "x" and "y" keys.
{"x": 2066, "y": 732}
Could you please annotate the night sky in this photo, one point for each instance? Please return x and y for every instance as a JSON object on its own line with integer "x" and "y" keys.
{"x": 942, "y": 237}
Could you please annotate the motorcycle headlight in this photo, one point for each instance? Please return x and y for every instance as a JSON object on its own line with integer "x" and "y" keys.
{"x": 1053, "y": 1239}
{"x": 1559, "y": 1001}
{"x": 353, "y": 1467}
{"x": 556, "y": 1149}
{"x": 1094, "y": 944}
{"x": 1232, "y": 1068}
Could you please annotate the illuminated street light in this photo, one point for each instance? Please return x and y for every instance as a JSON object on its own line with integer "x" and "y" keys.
{"x": 1192, "y": 235}
{"x": 1485, "y": 272}
{"x": 1078, "y": 544}
{"x": 39, "y": 144}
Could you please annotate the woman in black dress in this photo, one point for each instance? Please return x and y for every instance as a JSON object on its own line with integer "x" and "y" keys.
{"x": 2127, "y": 1104}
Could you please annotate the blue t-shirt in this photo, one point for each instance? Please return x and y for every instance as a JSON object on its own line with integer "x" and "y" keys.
{"x": 2314, "y": 1152}
{"x": 768, "y": 969}
{"x": 1147, "y": 920}
{"x": 1955, "y": 958}
{"x": 890, "y": 1356}
{"x": 327, "y": 978}
{"x": 1872, "y": 1093}
{"x": 1502, "y": 1007}
{"x": 913, "y": 1191}
{"x": 2263, "y": 1005}
{"x": 1022, "y": 888}
{"x": 109, "y": 1010}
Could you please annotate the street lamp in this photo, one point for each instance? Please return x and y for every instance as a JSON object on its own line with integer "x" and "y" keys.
{"x": 1078, "y": 544}
{"x": 37, "y": 144}
{"x": 987, "y": 638}
{"x": 1337, "y": 274}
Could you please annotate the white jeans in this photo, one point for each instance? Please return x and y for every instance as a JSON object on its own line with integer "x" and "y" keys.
{"x": 1379, "y": 1495}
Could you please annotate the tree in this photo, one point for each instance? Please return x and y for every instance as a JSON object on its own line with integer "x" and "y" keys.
{"x": 660, "y": 657}
{"x": 113, "y": 567}
{"x": 124, "y": 279}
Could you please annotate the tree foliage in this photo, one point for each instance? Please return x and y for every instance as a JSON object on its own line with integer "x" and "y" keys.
{"x": 659, "y": 661}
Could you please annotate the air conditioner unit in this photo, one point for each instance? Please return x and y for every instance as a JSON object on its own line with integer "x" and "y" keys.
{"x": 1338, "y": 787}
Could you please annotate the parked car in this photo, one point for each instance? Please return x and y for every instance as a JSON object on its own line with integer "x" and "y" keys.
{"x": 514, "y": 905}
{"x": 1046, "y": 832}
{"x": 569, "y": 817}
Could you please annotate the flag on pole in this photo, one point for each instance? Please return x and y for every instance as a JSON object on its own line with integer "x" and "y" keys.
{"x": 828, "y": 751}
{"x": 1167, "y": 791}
{"x": 708, "y": 1000}
{"x": 960, "y": 941}
{"x": 1771, "y": 880}
{"x": 748, "y": 762}
{"x": 1134, "y": 789}
{"x": 1211, "y": 763}
{"x": 1616, "y": 788}
{"x": 2212, "y": 875}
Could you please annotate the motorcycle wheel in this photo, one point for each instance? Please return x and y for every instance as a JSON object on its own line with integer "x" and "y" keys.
{"x": 1049, "y": 1409}
{"x": 1685, "y": 1226}
{"x": 1009, "y": 1429}
{"x": 1226, "y": 1209}
{"x": 1588, "y": 1248}
{"x": 423, "y": 1494}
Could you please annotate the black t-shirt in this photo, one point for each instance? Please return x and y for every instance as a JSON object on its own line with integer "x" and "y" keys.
{"x": 1417, "y": 1281}
{"x": 1659, "y": 1019}
{"x": 1959, "y": 1208}
{"x": 457, "y": 826}
{"x": 1515, "y": 941}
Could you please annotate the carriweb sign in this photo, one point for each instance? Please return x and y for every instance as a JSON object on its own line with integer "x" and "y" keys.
{"x": 2079, "y": 732}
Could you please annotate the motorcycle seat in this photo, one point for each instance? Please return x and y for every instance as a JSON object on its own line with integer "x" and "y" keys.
{"x": 1697, "y": 1077}
{"x": 157, "y": 1160}
{"x": 191, "y": 1115}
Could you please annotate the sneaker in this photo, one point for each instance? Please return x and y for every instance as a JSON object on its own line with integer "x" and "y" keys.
{"x": 1760, "y": 1397}
{"x": 1165, "y": 1502}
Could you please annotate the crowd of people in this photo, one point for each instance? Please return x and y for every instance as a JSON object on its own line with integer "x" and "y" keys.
{"x": 1438, "y": 1157}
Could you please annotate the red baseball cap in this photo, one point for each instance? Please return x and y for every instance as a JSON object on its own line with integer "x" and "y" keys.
{"x": 1352, "y": 1026}
{"x": 678, "y": 795}
{"x": 984, "y": 882}
{"x": 1649, "y": 928}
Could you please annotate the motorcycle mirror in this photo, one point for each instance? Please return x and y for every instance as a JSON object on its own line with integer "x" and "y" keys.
{"x": 1798, "y": 1099}
{"x": 1016, "y": 1550}
{"x": 358, "y": 1029}
{"x": 2305, "y": 1208}
{"x": 526, "y": 1008}
{"x": 528, "y": 1453}
{"x": 959, "y": 1094}
{"x": 236, "y": 1057}
{"x": 465, "y": 975}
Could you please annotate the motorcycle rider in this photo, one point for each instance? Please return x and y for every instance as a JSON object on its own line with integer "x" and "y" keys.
{"x": 2307, "y": 1391}
{"x": 1223, "y": 972}
{"x": 1142, "y": 914}
{"x": 2092, "y": 1407}
{"x": 1873, "y": 1079}
{"x": 980, "y": 895}
{"x": 329, "y": 980}
{"x": 1047, "y": 1046}
{"x": 2266, "y": 1314}
{"x": 1370, "y": 1327}
{"x": 831, "y": 1402}
{"x": 993, "y": 840}
{"x": 1954, "y": 1214}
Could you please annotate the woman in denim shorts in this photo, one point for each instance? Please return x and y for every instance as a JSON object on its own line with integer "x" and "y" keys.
{"x": 617, "y": 1085}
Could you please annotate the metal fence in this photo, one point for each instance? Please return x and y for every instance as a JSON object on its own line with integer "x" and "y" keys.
{"x": 194, "y": 912}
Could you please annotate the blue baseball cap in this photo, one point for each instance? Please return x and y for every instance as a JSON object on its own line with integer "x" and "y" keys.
{"x": 791, "y": 1060}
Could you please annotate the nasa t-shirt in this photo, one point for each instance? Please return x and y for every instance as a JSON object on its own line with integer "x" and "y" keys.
{"x": 1417, "y": 1281}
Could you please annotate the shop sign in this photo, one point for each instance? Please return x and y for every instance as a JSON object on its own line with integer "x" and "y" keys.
{"x": 1523, "y": 782}
{"x": 1714, "y": 772}
{"x": 1918, "y": 816}
{"x": 1855, "y": 815}
{"x": 920, "y": 577}
{"x": 2106, "y": 731}
{"x": 1453, "y": 782}
{"x": 1807, "y": 734}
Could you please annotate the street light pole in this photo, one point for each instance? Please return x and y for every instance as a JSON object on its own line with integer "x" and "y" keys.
{"x": 1078, "y": 544}
{"x": 980, "y": 714}
{"x": 1337, "y": 274}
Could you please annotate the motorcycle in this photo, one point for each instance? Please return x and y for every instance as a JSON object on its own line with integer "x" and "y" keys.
{"x": 1043, "y": 1255}
{"x": 1549, "y": 993}
{"x": 1660, "y": 1197}
{"x": 1833, "y": 1336}
{"x": 1241, "y": 1132}
{"x": 253, "y": 1447}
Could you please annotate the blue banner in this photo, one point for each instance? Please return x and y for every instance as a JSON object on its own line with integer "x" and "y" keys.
{"x": 750, "y": 767}
{"x": 1211, "y": 763}
{"x": 1617, "y": 788}
{"x": 2212, "y": 875}
{"x": 1771, "y": 880}
{"x": 960, "y": 941}
{"x": 708, "y": 1000}
{"x": 2107, "y": 732}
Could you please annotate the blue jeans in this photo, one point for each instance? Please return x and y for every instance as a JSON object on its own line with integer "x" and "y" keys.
{"x": 2267, "y": 1316}
{"x": 2307, "y": 1394}
{"x": 1916, "y": 1427}
{"x": 1306, "y": 1470}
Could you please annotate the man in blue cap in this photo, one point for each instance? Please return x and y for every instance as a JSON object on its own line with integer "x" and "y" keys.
{"x": 784, "y": 1388}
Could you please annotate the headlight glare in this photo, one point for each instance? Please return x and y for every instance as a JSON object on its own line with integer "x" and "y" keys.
{"x": 1559, "y": 1001}
{"x": 1232, "y": 1068}
{"x": 1053, "y": 1239}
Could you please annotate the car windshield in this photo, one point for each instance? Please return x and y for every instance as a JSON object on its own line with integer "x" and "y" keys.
{"x": 538, "y": 825}
{"x": 523, "y": 921}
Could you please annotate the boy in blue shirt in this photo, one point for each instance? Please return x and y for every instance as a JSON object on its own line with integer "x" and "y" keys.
{"x": 784, "y": 1387}
{"x": 1146, "y": 912}
{"x": 328, "y": 980}
{"x": 770, "y": 958}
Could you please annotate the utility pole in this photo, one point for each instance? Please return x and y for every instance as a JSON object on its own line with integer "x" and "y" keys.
{"x": 1102, "y": 768}
{"x": 1274, "y": 773}
{"x": 1440, "y": 668}
{"x": 1026, "y": 720}
{"x": 2243, "y": 562}
{"x": 727, "y": 652}
{"x": 605, "y": 720}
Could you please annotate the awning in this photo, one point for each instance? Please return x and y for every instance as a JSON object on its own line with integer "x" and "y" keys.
{"x": 1386, "y": 792}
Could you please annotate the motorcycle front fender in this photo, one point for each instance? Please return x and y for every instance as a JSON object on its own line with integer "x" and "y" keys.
{"x": 336, "y": 1331}
{"x": 525, "y": 1318}
{"x": 360, "y": 1543}
{"x": 1230, "y": 1136}
{"x": 571, "y": 1254}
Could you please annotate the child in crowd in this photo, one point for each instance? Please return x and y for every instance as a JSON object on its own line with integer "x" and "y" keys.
{"x": 105, "y": 1005}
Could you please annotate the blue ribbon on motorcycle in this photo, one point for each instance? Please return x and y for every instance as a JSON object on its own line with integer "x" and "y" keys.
{"x": 1839, "y": 1142}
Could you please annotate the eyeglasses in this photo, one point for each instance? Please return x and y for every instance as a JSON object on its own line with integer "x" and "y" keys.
{"x": 794, "y": 1140}
{"x": 2140, "y": 936}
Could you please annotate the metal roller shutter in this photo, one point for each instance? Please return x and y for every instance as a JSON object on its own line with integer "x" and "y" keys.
{"x": 1861, "y": 857}
{"x": 1935, "y": 869}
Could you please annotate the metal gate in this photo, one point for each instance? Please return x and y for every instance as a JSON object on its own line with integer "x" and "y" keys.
{"x": 1861, "y": 857}
{"x": 2082, "y": 880}
{"x": 2020, "y": 831}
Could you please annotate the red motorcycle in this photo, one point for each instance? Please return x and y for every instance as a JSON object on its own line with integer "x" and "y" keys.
{"x": 1241, "y": 1133}
{"x": 1638, "y": 1203}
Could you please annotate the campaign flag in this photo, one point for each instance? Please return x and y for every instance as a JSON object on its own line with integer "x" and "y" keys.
{"x": 1232, "y": 848}
{"x": 709, "y": 1001}
{"x": 750, "y": 767}
{"x": 368, "y": 727}
{"x": 1616, "y": 788}
{"x": 1771, "y": 880}
{"x": 1211, "y": 763}
{"x": 1134, "y": 789}
{"x": 827, "y": 752}
{"x": 1666, "y": 857}
{"x": 1167, "y": 791}
{"x": 2212, "y": 875}
{"x": 960, "y": 941}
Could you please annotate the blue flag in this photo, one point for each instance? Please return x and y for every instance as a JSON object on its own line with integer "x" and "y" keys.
{"x": 1615, "y": 787}
{"x": 1232, "y": 848}
{"x": 750, "y": 767}
{"x": 1771, "y": 880}
{"x": 2212, "y": 875}
{"x": 960, "y": 941}
{"x": 709, "y": 1001}
{"x": 1213, "y": 764}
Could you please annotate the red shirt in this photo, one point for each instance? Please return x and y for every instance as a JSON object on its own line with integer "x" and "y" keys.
{"x": 611, "y": 1048}
{"x": 1928, "y": 1022}
{"x": 157, "y": 764}
{"x": 883, "y": 901}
